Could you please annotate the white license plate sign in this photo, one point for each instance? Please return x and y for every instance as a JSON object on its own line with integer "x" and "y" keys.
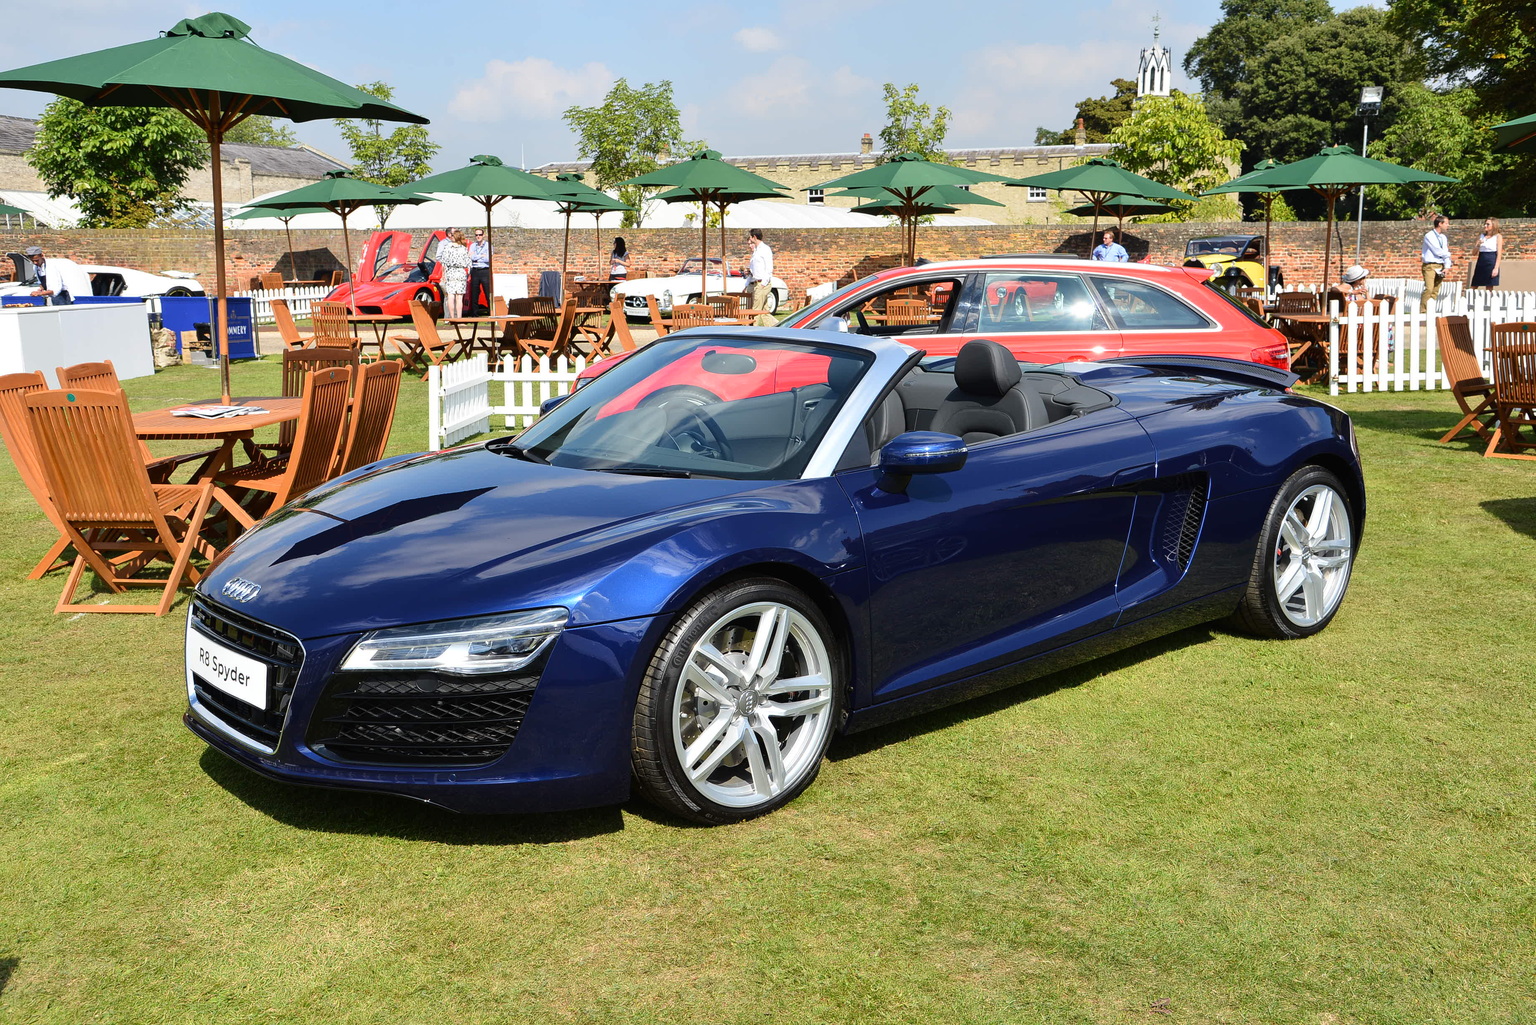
{"x": 238, "y": 675}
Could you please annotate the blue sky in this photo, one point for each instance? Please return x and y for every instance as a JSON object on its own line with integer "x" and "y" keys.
{"x": 794, "y": 76}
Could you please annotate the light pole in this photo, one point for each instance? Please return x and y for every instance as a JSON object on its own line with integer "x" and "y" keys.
{"x": 1370, "y": 106}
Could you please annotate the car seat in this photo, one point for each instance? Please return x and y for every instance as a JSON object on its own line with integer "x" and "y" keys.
{"x": 987, "y": 402}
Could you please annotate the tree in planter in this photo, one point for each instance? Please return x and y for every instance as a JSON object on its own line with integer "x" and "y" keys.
{"x": 401, "y": 156}
{"x": 124, "y": 166}
{"x": 626, "y": 136}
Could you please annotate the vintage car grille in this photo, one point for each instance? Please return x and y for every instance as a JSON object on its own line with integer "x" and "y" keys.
{"x": 635, "y": 302}
{"x": 1181, "y": 520}
{"x": 279, "y": 650}
{"x": 421, "y": 719}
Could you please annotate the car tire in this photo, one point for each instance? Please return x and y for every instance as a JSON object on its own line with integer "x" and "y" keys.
{"x": 178, "y": 293}
{"x": 424, "y": 295}
{"x": 1276, "y": 277}
{"x": 1305, "y": 555}
{"x": 773, "y": 301}
{"x": 738, "y": 704}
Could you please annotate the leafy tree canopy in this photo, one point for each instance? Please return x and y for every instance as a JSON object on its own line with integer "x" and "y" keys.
{"x": 1172, "y": 140}
{"x": 125, "y": 166}
{"x": 1489, "y": 45}
{"x": 913, "y": 127}
{"x": 626, "y": 136}
{"x": 393, "y": 159}
{"x": 1220, "y": 59}
{"x": 1099, "y": 116}
{"x": 1445, "y": 133}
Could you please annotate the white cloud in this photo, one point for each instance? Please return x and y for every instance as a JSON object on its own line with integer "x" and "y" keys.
{"x": 846, "y": 82}
{"x": 785, "y": 88}
{"x": 1012, "y": 88}
{"x": 532, "y": 88}
{"x": 758, "y": 39}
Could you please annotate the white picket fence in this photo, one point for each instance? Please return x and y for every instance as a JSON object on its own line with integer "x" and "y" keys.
{"x": 459, "y": 394}
{"x": 1371, "y": 350}
{"x": 299, "y": 300}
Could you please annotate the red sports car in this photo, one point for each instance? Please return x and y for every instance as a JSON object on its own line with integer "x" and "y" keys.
{"x": 1047, "y": 310}
{"x": 388, "y": 279}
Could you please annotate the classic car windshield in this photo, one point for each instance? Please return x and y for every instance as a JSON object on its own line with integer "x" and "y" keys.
{"x": 692, "y": 265}
{"x": 1229, "y": 246}
{"x": 709, "y": 406}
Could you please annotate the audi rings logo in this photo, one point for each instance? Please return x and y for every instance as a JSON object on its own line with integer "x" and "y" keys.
{"x": 241, "y": 590}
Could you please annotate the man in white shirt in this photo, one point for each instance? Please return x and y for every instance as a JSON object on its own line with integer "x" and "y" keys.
{"x": 1436, "y": 257}
{"x": 760, "y": 273}
{"x": 58, "y": 279}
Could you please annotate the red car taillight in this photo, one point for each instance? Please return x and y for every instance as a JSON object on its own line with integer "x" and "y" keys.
{"x": 1272, "y": 355}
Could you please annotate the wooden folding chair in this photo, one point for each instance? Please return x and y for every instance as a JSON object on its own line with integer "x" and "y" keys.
{"x": 321, "y": 422}
{"x": 373, "y": 414}
{"x": 553, "y": 343}
{"x": 103, "y": 377}
{"x": 616, "y": 338}
{"x": 1512, "y": 352}
{"x": 1296, "y": 302}
{"x": 427, "y": 347}
{"x": 332, "y": 329}
{"x": 286, "y": 328}
{"x": 16, "y": 431}
{"x": 272, "y": 281}
{"x": 296, "y": 364}
{"x": 1468, "y": 385}
{"x": 657, "y": 322}
{"x": 106, "y": 502}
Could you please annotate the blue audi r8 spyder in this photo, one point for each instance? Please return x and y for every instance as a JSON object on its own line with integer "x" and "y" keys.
{"x": 695, "y": 571}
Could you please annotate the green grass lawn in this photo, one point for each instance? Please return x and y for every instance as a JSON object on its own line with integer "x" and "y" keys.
{"x": 1205, "y": 829}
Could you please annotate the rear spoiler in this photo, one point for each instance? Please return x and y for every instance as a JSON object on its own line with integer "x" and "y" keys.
{"x": 1239, "y": 371}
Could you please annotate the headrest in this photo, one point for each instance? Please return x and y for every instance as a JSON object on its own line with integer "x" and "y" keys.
{"x": 986, "y": 368}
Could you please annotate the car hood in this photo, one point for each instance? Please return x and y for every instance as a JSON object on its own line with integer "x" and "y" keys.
{"x": 459, "y": 533}
{"x": 676, "y": 284}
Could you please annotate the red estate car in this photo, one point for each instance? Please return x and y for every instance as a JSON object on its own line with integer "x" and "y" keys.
{"x": 1053, "y": 309}
{"x": 388, "y": 279}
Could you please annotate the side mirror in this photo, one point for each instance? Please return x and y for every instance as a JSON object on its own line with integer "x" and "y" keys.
{"x": 553, "y": 401}
{"x": 919, "y": 452}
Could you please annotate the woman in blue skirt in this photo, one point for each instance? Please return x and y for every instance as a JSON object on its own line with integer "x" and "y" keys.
{"x": 1490, "y": 252}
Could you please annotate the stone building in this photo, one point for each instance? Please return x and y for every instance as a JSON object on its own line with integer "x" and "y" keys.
{"x": 801, "y": 171}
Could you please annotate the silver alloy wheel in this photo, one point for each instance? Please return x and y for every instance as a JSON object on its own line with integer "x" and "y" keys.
{"x": 753, "y": 708}
{"x": 1313, "y": 554}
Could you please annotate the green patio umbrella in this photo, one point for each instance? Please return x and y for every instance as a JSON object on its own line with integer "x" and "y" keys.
{"x": 1518, "y": 135}
{"x": 1334, "y": 172}
{"x": 12, "y": 211}
{"x": 704, "y": 179}
{"x": 255, "y": 211}
{"x": 1266, "y": 194}
{"x": 487, "y": 181}
{"x": 208, "y": 69}
{"x": 1100, "y": 180}
{"x": 573, "y": 196}
{"x": 909, "y": 179}
{"x": 341, "y": 194}
{"x": 910, "y": 209}
{"x": 1121, "y": 207}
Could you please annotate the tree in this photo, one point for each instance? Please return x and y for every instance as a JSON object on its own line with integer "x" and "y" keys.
{"x": 1099, "y": 116}
{"x": 1220, "y": 58}
{"x": 1172, "y": 140}
{"x": 913, "y": 127}
{"x": 124, "y": 166}
{"x": 1489, "y": 45}
{"x": 626, "y": 136}
{"x": 1443, "y": 132}
{"x": 401, "y": 156}
{"x": 260, "y": 130}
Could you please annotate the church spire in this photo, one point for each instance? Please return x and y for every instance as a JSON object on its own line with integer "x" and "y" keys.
{"x": 1155, "y": 75}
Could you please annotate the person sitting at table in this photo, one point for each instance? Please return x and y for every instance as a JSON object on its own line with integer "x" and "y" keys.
{"x": 1353, "y": 289}
{"x": 618, "y": 260}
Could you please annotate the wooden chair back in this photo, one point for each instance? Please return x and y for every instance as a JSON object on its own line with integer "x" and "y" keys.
{"x": 331, "y": 326}
{"x": 428, "y": 347}
{"x": 373, "y": 414}
{"x": 337, "y": 277}
{"x": 727, "y": 305}
{"x": 1296, "y": 302}
{"x": 521, "y": 307}
{"x": 272, "y": 281}
{"x": 907, "y": 312}
{"x": 558, "y": 341}
{"x": 89, "y": 376}
{"x": 103, "y": 496}
{"x": 498, "y": 306}
{"x": 321, "y": 421}
{"x": 686, "y": 315}
{"x": 16, "y": 432}
{"x": 657, "y": 323}
{"x": 287, "y": 329}
{"x": 1512, "y": 354}
{"x": 1472, "y": 391}
{"x": 619, "y": 339}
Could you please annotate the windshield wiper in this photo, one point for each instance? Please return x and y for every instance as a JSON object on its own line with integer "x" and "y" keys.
{"x": 643, "y": 471}
{"x": 505, "y": 448}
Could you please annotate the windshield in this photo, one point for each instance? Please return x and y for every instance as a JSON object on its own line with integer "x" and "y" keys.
{"x": 702, "y": 405}
{"x": 1230, "y": 246}
{"x": 693, "y": 265}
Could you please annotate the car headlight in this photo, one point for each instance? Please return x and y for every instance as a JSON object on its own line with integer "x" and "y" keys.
{"x": 460, "y": 647}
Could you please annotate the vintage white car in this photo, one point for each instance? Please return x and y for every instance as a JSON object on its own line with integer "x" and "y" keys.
{"x": 686, "y": 287}
{"x": 107, "y": 280}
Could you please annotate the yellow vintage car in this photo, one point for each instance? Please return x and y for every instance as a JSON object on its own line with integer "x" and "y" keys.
{"x": 1233, "y": 257}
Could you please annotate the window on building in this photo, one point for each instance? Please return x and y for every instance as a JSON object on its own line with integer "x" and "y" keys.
{"x": 1038, "y": 195}
{"x": 816, "y": 196}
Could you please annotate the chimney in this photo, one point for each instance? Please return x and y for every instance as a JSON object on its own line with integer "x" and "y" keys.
{"x": 866, "y": 144}
{"x": 1080, "y": 135}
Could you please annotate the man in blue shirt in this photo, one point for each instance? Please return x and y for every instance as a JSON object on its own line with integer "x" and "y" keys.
{"x": 1111, "y": 251}
{"x": 477, "y": 298}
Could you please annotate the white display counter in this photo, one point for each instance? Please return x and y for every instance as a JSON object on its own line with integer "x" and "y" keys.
{"x": 46, "y": 337}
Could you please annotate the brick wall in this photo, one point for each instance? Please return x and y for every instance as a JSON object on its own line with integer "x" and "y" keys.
{"x": 802, "y": 257}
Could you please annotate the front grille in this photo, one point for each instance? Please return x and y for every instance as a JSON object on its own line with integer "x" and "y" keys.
{"x": 1181, "y": 521}
{"x": 280, "y": 651}
{"x": 634, "y": 302}
{"x": 422, "y": 719}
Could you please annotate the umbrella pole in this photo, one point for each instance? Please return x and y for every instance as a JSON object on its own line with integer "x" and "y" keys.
{"x": 221, "y": 315}
{"x": 1268, "y": 198}
{"x": 490, "y": 254}
{"x": 565, "y": 254}
{"x": 722, "y": 247}
{"x": 293, "y": 264}
{"x": 1328, "y": 243}
{"x": 704, "y": 238}
{"x": 346, "y": 245}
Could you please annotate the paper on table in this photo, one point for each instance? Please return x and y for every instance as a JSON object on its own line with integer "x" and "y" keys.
{"x": 216, "y": 412}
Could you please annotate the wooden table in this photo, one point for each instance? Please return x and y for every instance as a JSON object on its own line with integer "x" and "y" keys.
{"x": 1310, "y": 333}
{"x": 512, "y": 324}
{"x": 161, "y": 425}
